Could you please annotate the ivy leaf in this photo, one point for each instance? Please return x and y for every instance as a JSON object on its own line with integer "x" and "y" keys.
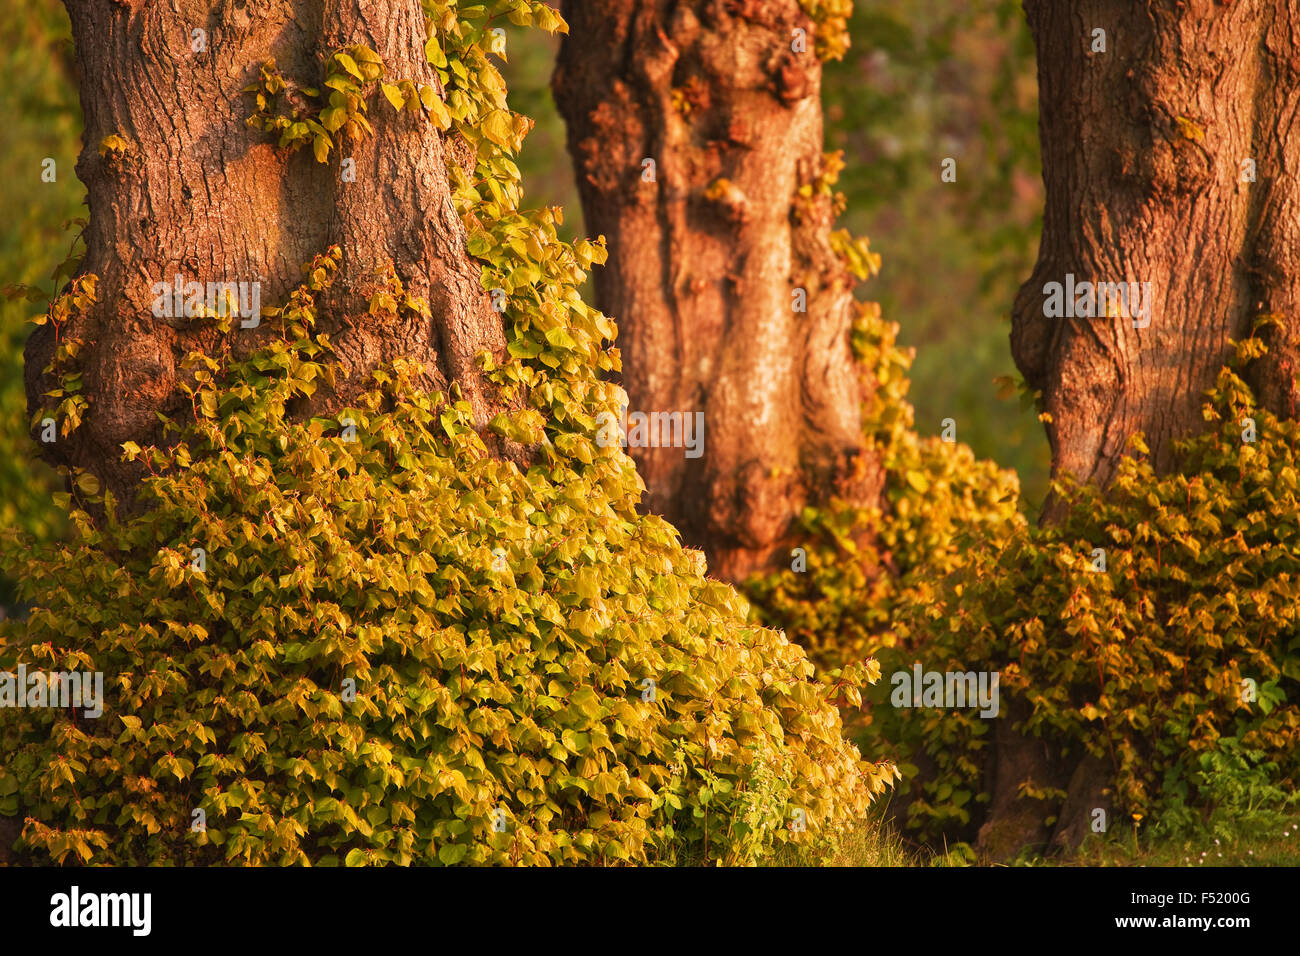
{"x": 452, "y": 853}
{"x": 393, "y": 95}
{"x": 321, "y": 147}
{"x": 348, "y": 64}
{"x": 439, "y": 114}
{"x": 499, "y": 128}
{"x": 112, "y": 144}
{"x": 331, "y": 118}
{"x": 560, "y": 338}
{"x": 433, "y": 51}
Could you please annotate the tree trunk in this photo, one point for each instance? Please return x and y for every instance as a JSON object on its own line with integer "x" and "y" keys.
{"x": 693, "y": 125}
{"x": 196, "y": 193}
{"x": 1168, "y": 159}
{"x": 1148, "y": 152}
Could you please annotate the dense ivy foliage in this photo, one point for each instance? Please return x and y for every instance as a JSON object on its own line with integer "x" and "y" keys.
{"x": 1141, "y": 665}
{"x": 868, "y": 569}
{"x": 303, "y": 114}
{"x": 393, "y": 647}
{"x": 1146, "y": 663}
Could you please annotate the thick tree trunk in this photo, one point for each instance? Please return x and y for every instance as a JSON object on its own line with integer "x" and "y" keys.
{"x": 1148, "y": 153}
{"x": 693, "y": 125}
{"x": 196, "y": 193}
{"x": 1169, "y": 159}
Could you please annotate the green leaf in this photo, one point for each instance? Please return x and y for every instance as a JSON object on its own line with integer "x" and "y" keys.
{"x": 452, "y": 853}
{"x": 560, "y": 338}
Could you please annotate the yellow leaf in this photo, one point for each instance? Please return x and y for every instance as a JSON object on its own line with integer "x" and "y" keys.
{"x": 112, "y": 144}
{"x": 348, "y": 64}
{"x": 499, "y": 128}
{"x": 438, "y": 113}
{"x": 394, "y": 95}
{"x": 321, "y": 147}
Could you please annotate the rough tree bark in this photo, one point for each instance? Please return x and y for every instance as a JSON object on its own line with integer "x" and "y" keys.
{"x": 1169, "y": 158}
{"x": 707, "y": 254}
{"x": 199, "y": 194}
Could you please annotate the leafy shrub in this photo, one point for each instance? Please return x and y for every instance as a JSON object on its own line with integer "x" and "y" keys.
{"x": 499, "y": 626}
{"x": 541, "y": 675}
{"x": 1227, "y": 792}
{"x": 868, "y": 569}
{"x": 1142, "y": 665}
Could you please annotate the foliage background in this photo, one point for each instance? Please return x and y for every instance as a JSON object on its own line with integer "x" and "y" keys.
{"x": 38, "y": 106}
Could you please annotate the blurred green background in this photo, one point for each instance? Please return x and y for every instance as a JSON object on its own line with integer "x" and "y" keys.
{"x": 42, "y": 120}
{"x": 925, "y": 80}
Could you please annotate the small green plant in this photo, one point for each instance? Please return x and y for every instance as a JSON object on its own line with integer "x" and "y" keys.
{"x": 1227, "y": 792}
{"x": 956, "y": 855}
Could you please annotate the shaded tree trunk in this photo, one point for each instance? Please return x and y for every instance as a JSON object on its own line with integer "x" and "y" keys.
{"x": 197, "y": 193}
{"x": 1168, "y": 159}
{"x": 693, "y": 126}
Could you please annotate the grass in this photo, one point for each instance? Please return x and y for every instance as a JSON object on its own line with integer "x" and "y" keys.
{"x": 1274, "y": 842}
{"x": 1276, "y": 845}
{"x": 872, "y": 843}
